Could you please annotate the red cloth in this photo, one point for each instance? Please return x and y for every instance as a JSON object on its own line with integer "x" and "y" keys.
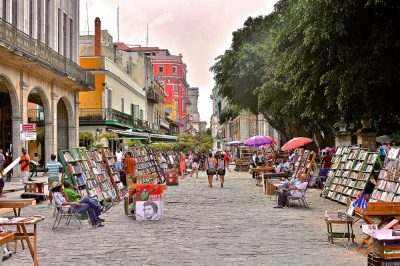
{"x": 326, "y": 161}
{"x": 25, "y": 159}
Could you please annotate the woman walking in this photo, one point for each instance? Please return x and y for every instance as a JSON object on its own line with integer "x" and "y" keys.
{"x": 227, "y": 159}
{"x": 182, "y": 164}
{"x": 210, "y": 165}
{"x": 221, "y": 169}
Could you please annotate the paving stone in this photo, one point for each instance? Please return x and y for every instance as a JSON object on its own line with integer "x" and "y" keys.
{"x": 234, "y": 225}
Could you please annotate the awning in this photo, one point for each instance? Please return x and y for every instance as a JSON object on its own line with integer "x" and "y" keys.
{"x": 145, "y": 136}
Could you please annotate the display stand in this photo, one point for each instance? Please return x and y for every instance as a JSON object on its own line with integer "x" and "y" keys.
{"x": 109, "y": 160}
{"x": 147, "y": 162}
{"x": 86, "y": 174}
{"x": 243, "y": 162}
{"x": 381, "y": 211}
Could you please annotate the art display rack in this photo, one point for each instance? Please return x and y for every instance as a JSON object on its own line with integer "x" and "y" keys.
{"x": 88, "y": 176}
{"x": 109, "y": 160}
{"x": 305, "y": 162}
{"x": 336, "y": 164}
{"x": 387, "y": 187}
{"x": 352, "y": 174}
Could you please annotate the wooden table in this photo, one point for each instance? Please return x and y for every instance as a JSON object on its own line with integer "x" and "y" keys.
{"x": 260, "y": 170}
{"x": 5, "y": 237}
{"x": 34, "y": 186}
{"x": 17, "y": 205}
{"x": 381, "y": 211}
{"x": 22, "y": 222}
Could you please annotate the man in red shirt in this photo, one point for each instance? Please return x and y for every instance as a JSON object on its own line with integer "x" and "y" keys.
{"x": 130, "y": 164}
{"x": 24, "y": 162}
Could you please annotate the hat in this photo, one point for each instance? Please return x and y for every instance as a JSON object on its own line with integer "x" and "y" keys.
{"x": 54, "y": 184}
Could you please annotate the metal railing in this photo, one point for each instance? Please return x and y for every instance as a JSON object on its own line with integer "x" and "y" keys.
{"x": 153, "y": 95}
{"x": 16, "y": 40}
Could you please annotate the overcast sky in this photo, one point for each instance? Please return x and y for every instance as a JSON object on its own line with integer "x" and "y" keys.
{"x": 199, "y": 29}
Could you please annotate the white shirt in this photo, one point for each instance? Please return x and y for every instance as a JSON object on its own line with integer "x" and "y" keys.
{"x": 119, "y": 156}
{"x": 301, "y": 186}
{"x": 59, "y": 200}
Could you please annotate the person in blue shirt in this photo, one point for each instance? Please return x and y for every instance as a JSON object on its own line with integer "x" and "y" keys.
{"x": 382, "y": 153}
{"x": 53, "y": 172}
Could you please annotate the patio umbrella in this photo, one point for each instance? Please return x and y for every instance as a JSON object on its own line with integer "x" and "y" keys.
{"x": 295, "y": 143}
{"x": 257, "y": 141}
{"x": 234, "y": 143}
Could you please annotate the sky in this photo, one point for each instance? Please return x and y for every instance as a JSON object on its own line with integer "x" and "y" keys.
{"x": 200, "y": 30}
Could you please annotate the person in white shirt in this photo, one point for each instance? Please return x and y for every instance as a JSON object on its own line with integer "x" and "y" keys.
{"x": 119, "y": 155}
{"x": 284, "y": 192}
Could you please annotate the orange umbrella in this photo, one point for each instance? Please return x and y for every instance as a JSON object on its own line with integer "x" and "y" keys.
{"x": 295, "y": 143}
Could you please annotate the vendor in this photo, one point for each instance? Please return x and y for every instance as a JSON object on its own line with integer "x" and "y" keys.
{"x": 292, "y": 190}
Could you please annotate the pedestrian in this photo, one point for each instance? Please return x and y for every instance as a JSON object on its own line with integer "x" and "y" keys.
{"x": 2, "y": 161}
{"x": 382, "y": 153}
{"x": 163, "y": 163}
{"x": 210, "y": 165}
{"x": 254, "y": 162}
{"x": 221, "y": 169}
{"x": 118, "y": 163}
{"x": 216, "y": 158}
{"x": 53, "y": 174}
{"x": 182, "y": 164}
{"x": 227, "y": 159}
{"x": 130, "y": 164}
{"x": 24, "y": 162}
{"x": 195, "y": 165}
{"x": 8, "y": 161}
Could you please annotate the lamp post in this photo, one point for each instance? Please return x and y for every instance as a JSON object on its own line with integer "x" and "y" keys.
{"x": 97, "y": 134}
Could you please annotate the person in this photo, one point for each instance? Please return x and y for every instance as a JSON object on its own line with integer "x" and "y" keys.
{"x": 326, "y": 160}
{"x": 2, "y": 159}
{"x": 387, "y": 148}
{"x": 53, "y": 173}
{"x": 382, "y": 153}
{"x": 210, "y": 165}
{"x": 77, "y": 207}
{"x": 221, "y": 169}
{"x": 130, "y": 164}
{"x": 1, "y": 182}
{"x": 8, "y": 161}
{"x": 24, "y": 162}
{"x": 182, "y": 164}
{"x": 254, "y": 162}
{"x": 163, "y": 163}
{"x": 195, "y": 165}
{"x": 150, "y": 211}
{"x": 291, "y": 190}
{"x": 118, "y": 163}
{"x": 227, "y": 159}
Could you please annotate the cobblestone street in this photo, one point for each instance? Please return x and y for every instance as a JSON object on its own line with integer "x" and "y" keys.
{"x": 234, "y": 225}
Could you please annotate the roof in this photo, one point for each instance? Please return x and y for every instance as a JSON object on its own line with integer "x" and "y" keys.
{"x": 127, "y": 48}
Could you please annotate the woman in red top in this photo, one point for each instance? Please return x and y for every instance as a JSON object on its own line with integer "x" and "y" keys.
{"x": 227, "y": 159}
{"x": 182, "y": 164}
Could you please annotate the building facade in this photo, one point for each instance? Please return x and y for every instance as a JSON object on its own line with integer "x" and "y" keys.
{"x": 195, "y": 125}
{"x": 119, "y": 101}
{"x": 40, "y": 77}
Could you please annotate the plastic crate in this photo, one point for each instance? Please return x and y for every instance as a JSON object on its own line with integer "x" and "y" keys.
{"x": 374, "y": 260}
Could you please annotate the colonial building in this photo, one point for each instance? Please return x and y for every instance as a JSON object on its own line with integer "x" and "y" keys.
{"x": 195, "y": 125}
{"x": 40, "y": 77}
{"x": 119, "y": 101}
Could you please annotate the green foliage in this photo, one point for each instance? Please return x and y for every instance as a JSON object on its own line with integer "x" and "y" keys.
{"x": 229, "y": 113}
{"x": 108, "y": 135}
{"x": 133, "y": 143}
{"x": 162, "y": 146}
{"x": 85, "y": 139}
{"x": 310, "y": 64}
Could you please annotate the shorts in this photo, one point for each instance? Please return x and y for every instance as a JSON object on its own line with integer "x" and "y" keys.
{"x": 195, "y": 165}
{"x": 221, "y": 172}
{"x": 118, "y": 166}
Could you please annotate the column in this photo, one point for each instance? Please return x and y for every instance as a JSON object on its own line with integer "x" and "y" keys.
{"x": 53, "y": 110}
{"x": 16, "y": 149}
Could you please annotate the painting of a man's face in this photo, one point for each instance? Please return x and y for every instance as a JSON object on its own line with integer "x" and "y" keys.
{"x": 148, "y": 211}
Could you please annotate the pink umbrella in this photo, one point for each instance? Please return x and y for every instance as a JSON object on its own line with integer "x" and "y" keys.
{"x": 257, "y": 141}
{"x": 295, "y": 143}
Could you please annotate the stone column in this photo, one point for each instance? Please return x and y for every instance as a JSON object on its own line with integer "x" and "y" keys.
{"x": 53, "y": 110}
{"x": 342, "y": 138}
{"x": 16, "y": 149}
{"x": 366, "y": 137}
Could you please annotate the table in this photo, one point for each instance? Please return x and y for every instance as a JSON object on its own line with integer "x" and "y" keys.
{"x": 348, "y": 223}
{"x": 270, "y": 176}
{"x": 17, "y": 205}
{"x": 261, "y": 169}
{"x": 22, "y": 222}
{"x": 34, "y": 186}
{"x": 381, "y": 211}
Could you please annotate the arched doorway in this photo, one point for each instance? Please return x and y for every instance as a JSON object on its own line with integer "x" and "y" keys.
{"x": 38, "y": 113}
{"x": 62, "y": 125}
{"x": 5, "y": 118}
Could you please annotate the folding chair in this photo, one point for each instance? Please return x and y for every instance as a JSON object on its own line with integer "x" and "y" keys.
{"x": 68, "y": 215}
{"x": 300, "y": 198}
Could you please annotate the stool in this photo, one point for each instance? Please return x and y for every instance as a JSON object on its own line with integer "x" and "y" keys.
{"x": 348, "y": 224}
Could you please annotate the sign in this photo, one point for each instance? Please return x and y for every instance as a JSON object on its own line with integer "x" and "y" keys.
{"x": 149, "y": 205}
{"x": 28, "y": 135}
{"x": 30, "y": 127}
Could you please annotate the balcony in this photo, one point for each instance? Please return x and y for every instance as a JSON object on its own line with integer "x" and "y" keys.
{"x": 96, "y": 116}
{"x": 29, "y": 48}
{"x": 164, "y": 124}
{"x": 153, "y": 96}
{"x": 155, "y": 127}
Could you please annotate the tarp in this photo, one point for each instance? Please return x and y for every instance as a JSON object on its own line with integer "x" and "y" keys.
{"x": 144, "y": 136}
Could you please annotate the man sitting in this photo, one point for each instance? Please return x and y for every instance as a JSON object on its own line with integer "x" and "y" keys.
{"x": 291, "y": 190}
{"x": 85, "y": 205}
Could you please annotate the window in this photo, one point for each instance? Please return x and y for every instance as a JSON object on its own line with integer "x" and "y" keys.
{"x": 175, "y": 88}
{"x": 59, "y": 30}
{"x": 161, "y": 69}
{"x": 30, "y": 18}
{"x": 4, "y": 15}
{"x": 175, "y": 69}
{"x": 64, "y": 35}
{"x": 122, "y": 104}
{"x": 71, "y": 38}
{"x": 132, "y": 110}
{"x": 15, "y": 12}
{"x": 141, "y": 114}
{"x": 39, "y": 20}
{"x": 47, "y": 23}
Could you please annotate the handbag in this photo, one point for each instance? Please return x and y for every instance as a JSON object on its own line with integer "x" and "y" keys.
{"x": 211, "y": 171}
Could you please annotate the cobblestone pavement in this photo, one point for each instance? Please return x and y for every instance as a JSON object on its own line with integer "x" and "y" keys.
{"x": 234, "y": 225}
